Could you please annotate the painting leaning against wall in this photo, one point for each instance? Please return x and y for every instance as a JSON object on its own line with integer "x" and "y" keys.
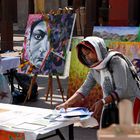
{"x": 46, "y": 44}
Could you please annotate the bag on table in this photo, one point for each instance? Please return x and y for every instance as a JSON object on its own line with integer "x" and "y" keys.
{"x": 110, "y": 115}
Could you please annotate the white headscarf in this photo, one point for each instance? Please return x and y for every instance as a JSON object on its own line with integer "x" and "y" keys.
{"x": 102, "y": 54}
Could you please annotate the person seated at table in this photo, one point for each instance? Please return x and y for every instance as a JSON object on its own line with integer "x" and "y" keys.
{"x": 107, "y": 68}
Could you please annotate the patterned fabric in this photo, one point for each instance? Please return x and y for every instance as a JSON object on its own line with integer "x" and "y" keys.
{"x": 106, "y": 82}
{"x": 7, "y": 135}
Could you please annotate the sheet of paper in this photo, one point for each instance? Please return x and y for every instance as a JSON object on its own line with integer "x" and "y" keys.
{"x": 75, "y": 111}
{"x": 28, "y": 126}
{"x": 52, "y": 117}
{"x": 6, "y": 116}
{"x": 61, "y": 118}
{"x": 87, "y": 121}
{"x": 41, "y": 121}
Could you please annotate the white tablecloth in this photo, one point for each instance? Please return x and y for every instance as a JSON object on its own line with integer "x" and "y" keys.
{"x": 16, "y": 115}
{"x": 7, "y": 63}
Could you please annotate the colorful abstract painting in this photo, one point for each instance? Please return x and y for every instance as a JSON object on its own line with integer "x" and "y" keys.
{"x": 130, "y": 49}
{"x": 47, "y": 43}
{"x": 117, "y": 33}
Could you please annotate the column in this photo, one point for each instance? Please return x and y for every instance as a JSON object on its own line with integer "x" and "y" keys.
{"x": 6, "y": 26}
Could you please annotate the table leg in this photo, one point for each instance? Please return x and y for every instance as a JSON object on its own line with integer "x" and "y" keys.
{"x": 60, "y": 134}
{"x": 71, "y": 132}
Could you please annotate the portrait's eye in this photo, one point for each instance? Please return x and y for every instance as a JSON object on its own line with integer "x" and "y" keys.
{"x": 39, "y": 35}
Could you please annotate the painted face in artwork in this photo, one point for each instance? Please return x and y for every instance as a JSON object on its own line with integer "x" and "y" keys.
{"x": 38, "y": 43}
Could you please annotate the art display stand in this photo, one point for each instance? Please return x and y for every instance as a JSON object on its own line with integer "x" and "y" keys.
{"x": 50, "y": 88}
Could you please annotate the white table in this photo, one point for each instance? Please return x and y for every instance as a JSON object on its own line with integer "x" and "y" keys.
{"x": 8, "y": 63}
{"x": 16, "y": 115}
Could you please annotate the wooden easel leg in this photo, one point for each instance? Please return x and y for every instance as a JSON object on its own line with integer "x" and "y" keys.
{"x": 50, "y": 88}
{"x": 60, "y": 87}
{"x": 29, "y": 92}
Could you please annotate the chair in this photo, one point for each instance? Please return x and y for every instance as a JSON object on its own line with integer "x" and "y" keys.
{"x": 136, "y": 110}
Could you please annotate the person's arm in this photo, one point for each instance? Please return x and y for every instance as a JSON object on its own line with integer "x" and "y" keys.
{"x": 119, "y": 74}
{"x": 88, "y": 84}
{"x": 80, "y": 93}
{"x": 97, "y": 107}
{"x": 73, "y": 99}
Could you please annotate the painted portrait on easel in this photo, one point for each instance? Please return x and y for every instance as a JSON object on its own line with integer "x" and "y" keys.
{"x": 46, "y": 43}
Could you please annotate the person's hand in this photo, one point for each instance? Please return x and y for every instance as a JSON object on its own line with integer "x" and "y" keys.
{"x": 63, "y": 105}
{"x": 97, "y": 109}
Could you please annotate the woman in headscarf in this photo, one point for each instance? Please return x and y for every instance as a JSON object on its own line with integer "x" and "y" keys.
{"x": 107, "y": 68}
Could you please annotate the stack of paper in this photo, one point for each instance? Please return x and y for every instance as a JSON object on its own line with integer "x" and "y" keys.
{"x": 79, "y": 113}
{"x": 75, "y": 112}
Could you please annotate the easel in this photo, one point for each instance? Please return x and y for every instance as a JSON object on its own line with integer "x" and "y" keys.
{"x": 50, "y": 87}
{"x": 29, "y": 92}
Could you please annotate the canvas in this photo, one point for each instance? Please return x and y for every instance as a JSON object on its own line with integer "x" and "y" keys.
{"x": 47, "y": 43}
{"x": 131, "y": 50}
{"x": 117, "y": 33}
{"x": 9, "y": 135}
